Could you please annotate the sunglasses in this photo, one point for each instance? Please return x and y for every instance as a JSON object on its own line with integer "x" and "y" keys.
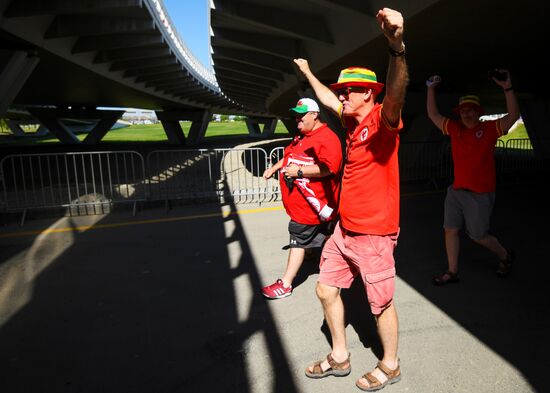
{"x": 300, "y": 115}
{"x": 349, "y": 89}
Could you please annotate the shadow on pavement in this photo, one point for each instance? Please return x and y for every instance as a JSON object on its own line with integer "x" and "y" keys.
{"x": 138, "y": 308}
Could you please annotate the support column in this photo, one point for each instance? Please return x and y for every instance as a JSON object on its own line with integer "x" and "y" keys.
{"x": 290, "y": 124}
{"x": 253, "y": 125}
{"x": 50, "y": 119}
{"x": 170, "y": 120}
{"x": 13, "y": 77}
{"x": 15, "y": 127}
{"x": 198, "y": 127}
{"x": 54, "y": 120}
{"x": 536, "y": 115}
{"x": 107, "y": 120}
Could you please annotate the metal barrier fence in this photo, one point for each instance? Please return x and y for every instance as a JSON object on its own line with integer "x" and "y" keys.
{"x": 87, "y": 183}
{"x": 214, "y": 174}
{"x": 91, "y": 182}
{"x": 518, "y": 156}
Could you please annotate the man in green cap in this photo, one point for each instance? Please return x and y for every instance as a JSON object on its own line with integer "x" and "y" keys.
{"x": 309, "y": 175}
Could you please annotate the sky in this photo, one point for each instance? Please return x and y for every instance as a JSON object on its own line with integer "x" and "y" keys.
{"x": 190, "y": 18}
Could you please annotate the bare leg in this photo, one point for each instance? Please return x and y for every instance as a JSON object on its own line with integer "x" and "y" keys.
{"x": 491, "y": 243}
{"x": 388, "y": 330}
{"x": 295, "y": 260}
{"x": 333, "y": 308}
{"x": 452, "y": 245}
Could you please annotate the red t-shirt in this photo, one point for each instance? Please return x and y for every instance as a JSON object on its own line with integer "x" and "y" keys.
{"x": 321, "y": 145}
{"x": 473, "y": 154}
{"x": 369, "y": 200}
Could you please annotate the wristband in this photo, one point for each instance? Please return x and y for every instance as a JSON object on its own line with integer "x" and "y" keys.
{"x": 397, "y": 53}
{"x": 509, "y": 88}
{"x": 433, "y": 80}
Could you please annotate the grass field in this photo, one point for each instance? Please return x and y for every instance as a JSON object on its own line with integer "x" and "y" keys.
{"x": 155, "y": 133}
{"x": 150, "y": 133}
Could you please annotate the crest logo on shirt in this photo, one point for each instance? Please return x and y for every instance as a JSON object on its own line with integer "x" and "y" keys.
{"x": 479, "y": 134}
{"x": 364, "y": 134}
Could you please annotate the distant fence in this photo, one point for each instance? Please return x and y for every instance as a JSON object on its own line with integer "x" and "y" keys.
{"x": 207, "y": 174}
{"x": 91, "y": 182}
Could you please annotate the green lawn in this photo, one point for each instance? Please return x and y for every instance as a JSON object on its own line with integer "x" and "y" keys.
{"x": 153, "y": 133}
{"x": 518, "y": 132}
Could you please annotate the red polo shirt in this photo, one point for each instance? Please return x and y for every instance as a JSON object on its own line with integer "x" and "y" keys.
{"x": 369, "y": 200}
{"x": 473, "y": 152}
{"x": 321, "y": 145}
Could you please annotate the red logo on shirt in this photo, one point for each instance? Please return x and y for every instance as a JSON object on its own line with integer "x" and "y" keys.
{"x": 364, "y": 134}
{"x": 479, "y": 134}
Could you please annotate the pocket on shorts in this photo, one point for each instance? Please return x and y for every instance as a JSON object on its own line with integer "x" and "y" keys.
{"x": 373, "y": 278}
{"x": 380, "y": 288}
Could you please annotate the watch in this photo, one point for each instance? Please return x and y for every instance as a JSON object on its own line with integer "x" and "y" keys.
{"x": 300, "y": 174}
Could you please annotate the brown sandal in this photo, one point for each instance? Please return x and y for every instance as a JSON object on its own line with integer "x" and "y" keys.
{"x": 336, "y": 369}
{"x": 505, "y": 265}
{"x": 445, "y": 278}
{"x": 375, "y": 384}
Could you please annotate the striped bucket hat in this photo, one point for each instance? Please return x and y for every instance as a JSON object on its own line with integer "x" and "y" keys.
{"x": 469, "y": 101}
{"x": 357, "y": 76}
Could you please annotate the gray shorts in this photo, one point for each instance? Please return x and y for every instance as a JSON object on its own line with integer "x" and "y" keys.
{"x": 308, "y": 236}
{"x": 471, "y": 208}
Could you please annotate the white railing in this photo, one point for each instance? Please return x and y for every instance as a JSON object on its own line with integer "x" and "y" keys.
{"x": 182, "y": 51}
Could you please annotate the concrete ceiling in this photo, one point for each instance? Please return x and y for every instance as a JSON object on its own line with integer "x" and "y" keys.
{"x": 254, "y": 42}
{"x": 116, "y": 52}
{"x": 121, "y": 53}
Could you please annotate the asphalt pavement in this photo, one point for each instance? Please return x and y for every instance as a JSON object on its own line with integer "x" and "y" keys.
{"x": 169, "y": 301}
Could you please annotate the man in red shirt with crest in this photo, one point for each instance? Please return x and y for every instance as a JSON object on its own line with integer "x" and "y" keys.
{"x": 365, "y": 237}
{"x": 309, "y": 175}
{"x": 471, "y": 197}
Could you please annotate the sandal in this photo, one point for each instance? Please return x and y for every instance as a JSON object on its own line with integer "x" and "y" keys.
{"x": 375, "y": 384}
{"x": 505, "y": 265}
{"x": 336, "y": 369}
{"x": 446, "y": 278}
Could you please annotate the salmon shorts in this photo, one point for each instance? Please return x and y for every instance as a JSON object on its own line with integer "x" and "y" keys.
{"x": 347, "y": 254}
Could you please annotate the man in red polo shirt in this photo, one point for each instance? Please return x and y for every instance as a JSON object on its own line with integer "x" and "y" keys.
{"x": 471, "y": 197}
{"x": 364, "y": 240}
{"x": 309, "y": 174}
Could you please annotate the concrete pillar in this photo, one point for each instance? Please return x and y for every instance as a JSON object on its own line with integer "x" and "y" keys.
{"x": 107, "y": 119}
{"x": 50, "y": 119}
{"x": 13, "y": 77}
{"x": 15, "y": 127}
{"x": 290, "y": 124}
{"x": 253, "y": 125}
{"x": 536, "y": 115}
{"x": 198, "y": 127}
{"x": 170, "y": 121}
{"x": 54, "y": 120}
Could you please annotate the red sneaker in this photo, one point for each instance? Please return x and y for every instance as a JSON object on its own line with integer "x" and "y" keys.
{"x": 277, "y": 290}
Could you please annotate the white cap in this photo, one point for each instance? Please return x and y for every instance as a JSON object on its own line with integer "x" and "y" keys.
{"x": 306, "y": 105}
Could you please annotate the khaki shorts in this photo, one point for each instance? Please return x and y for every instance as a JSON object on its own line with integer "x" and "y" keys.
{"x": 473, "y": 209}
{"x": 346, "y": 254}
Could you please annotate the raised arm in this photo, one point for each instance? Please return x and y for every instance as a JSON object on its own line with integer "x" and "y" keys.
{"x": 512, "y": 106}
{"x": 397, "y": 78}
{"x": 431, "y": 103}
{"x": 323, "y": 93}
